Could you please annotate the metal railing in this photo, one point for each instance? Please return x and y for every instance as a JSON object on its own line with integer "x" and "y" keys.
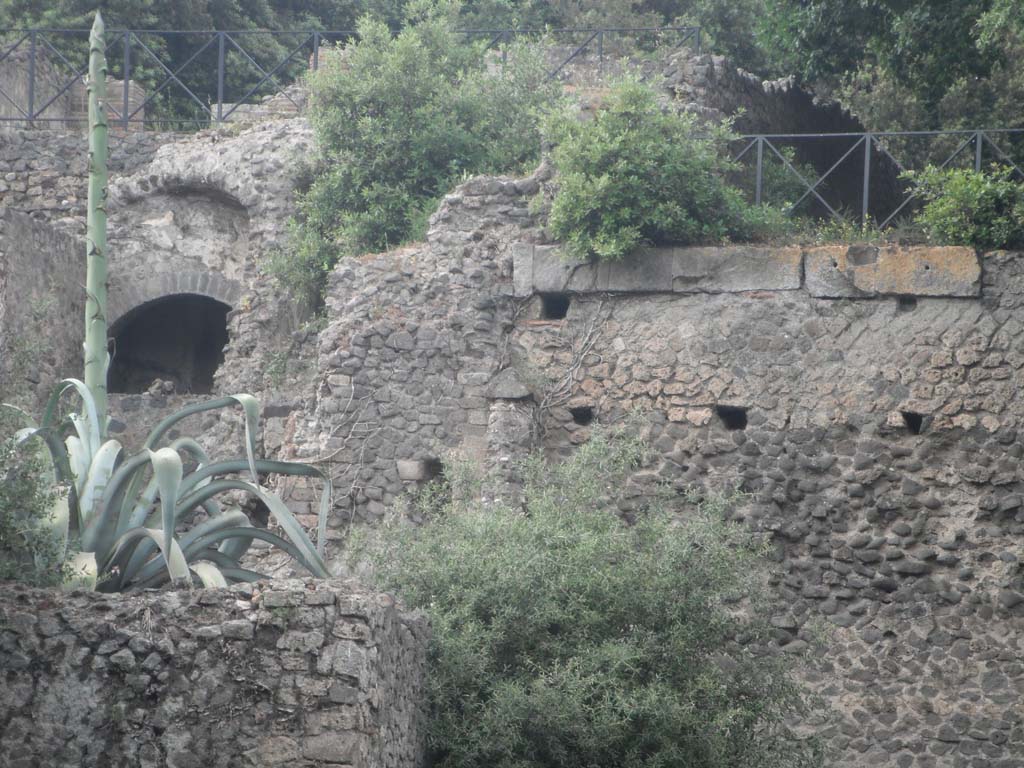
{"x": 41, "y": 61}
{"x": 212, "y": 74}
{"x": 594, "y": 38}
{"x": 863, "y": 173}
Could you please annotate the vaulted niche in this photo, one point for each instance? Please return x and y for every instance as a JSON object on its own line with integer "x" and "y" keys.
{"x": 177, "y": 338}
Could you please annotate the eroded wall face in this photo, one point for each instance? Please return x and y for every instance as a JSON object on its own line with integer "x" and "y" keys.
{"x": 881, "y": 452}
{"x": 42, "y": 307}
{"x": 298, "y": 674}
{"x": 867, "y": 404}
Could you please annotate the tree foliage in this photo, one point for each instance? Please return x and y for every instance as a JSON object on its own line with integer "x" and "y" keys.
{"x": 562, "y": 636}
{"x": 965, "y": 207}
{"x": 638, "y": 174}
{"x": 399, "y": 120}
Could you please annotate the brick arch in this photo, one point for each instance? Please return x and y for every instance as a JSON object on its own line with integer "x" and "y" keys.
{"x": 124, "y": 298}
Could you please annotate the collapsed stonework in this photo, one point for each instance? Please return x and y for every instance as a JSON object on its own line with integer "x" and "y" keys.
{"x": 293, "y": 673}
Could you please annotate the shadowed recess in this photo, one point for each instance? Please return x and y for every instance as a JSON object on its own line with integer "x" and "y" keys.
{"x": 178, "y": 339}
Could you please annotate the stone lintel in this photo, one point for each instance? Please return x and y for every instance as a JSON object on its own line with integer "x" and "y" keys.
{"x": 721, "y": 269}
{"x": 841, "y": 271}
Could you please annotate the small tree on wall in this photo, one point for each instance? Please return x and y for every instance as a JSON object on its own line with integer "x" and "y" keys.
{"x": 119, "y": 513}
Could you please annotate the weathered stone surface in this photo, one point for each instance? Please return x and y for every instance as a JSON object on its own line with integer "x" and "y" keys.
{"x": 735, "y": 268}
{"x": 838, "y": 271}
{"x": 360, "y": 709}
{"x": 507, "y": 385}
{"x": 725, "y": 269}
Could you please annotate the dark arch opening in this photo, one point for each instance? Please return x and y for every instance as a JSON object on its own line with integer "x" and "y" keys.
{"x": 178, "y": 339}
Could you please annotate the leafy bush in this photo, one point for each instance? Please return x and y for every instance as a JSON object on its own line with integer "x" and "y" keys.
{"x": 563, "y": 636}
{"x": 29, "y": 552}
{"x": 399, "y": 120}
{"x": 638, "y": 174}
{"x": 965, "y": 207}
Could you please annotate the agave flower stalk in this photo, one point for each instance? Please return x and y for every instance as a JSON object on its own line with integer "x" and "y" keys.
{"x": 97, "y": 357}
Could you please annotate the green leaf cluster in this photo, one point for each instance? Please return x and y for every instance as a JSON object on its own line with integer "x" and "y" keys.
{"x": 565, "y": 636}
{"x": 118, "y": 515}
{"x": 965, "y": 207}
{"x": 28, "y": 551}
{"x": 400, "y": 119}
{"x": 641, "y": 174}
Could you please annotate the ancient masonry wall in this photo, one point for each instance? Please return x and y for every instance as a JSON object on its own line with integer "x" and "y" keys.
{"x": 41, "y": 269}
{"x": 45, "y": 172}
{"x": 280, "y": 674}
{"x": 865, "y": 399}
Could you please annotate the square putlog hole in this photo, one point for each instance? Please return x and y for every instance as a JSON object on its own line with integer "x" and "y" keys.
{"x": 732, "y": 416}
{"x": 554, "y": 306}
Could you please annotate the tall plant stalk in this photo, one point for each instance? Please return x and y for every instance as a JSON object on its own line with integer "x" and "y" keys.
{"x": 97, "y": 357}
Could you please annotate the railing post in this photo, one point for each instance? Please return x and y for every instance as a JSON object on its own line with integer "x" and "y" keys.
{"x": 600, "y": 53}
{"x": 32, "y": 75}
{"x": 505, "y": 38}
{"x": 127, "y": 77}
{"x": 316, "y": 50}
{"x": 220, "y": 77}
{"x": 760, "y": 170}
{"x": 977, "y": 151}
{"x": 867, "y": 182}
{"x": 698, "y": 41}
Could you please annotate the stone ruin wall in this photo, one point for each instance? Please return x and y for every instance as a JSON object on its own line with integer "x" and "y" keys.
{"x": 901, "y": 537}
{"x": 41, "y": 269}
{"x": 290, "y": 673}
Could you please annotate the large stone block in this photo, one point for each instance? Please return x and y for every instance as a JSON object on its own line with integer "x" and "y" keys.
{"x": 840, "y": 271}
{"x": 719, "y": 269}
{"x": 735, "y": 268}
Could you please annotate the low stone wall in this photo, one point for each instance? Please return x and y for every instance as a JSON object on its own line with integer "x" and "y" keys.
{"x": 42, "y": 306}
{"x": 295, "y": 673}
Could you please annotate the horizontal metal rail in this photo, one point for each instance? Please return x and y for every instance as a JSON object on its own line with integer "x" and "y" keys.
{"x": 873, "y": 150}
{"x": 133, "y": 50}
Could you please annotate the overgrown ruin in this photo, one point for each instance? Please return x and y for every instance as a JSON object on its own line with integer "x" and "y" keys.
{"x": 864, "y": 399}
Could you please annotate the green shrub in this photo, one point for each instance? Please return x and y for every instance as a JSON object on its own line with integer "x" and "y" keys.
{"x": 637, "y": 174}
{"x": 563, "y": 636}
{"x": 399, "y": 120}
{"x": 965, "y": 207}
{"x": 29, "y": 552}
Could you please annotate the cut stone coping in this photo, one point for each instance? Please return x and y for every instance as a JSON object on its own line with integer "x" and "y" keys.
{"x": 838, "y": 271}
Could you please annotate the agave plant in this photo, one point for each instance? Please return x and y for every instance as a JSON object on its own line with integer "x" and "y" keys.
{"x": 120, "y": 513}
{"x": 125, "y": 509}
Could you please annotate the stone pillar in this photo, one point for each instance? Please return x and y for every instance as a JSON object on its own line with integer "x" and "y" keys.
{"x": 510, "y": 431}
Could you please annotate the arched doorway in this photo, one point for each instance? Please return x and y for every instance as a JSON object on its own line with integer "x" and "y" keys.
{"x": 178, "y": 339}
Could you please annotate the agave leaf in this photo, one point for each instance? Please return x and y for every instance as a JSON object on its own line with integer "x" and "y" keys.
{"x": 172, "y": 556}
{"x": 89, "y": 425}
{"x": 140, "y": 568}
{"x": 280, "y": 512}
{"x": 228, "y": 567}
{"x": 83, "y": 573}
{"x": 250, "y": 408}
{"x": 202, "y": 475}
{"x": 92, "y": 511}
{"x": 264, "y": 535}
{"x": 144, "y": 503}
{"x": 167, "y": 471}
{"x": 209, "y": 574}
{"x": 241, "y": 574}
{"x": 78, "y": 462}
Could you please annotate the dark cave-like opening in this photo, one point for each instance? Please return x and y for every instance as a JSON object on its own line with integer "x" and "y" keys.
{"x": 178, "y": 338}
